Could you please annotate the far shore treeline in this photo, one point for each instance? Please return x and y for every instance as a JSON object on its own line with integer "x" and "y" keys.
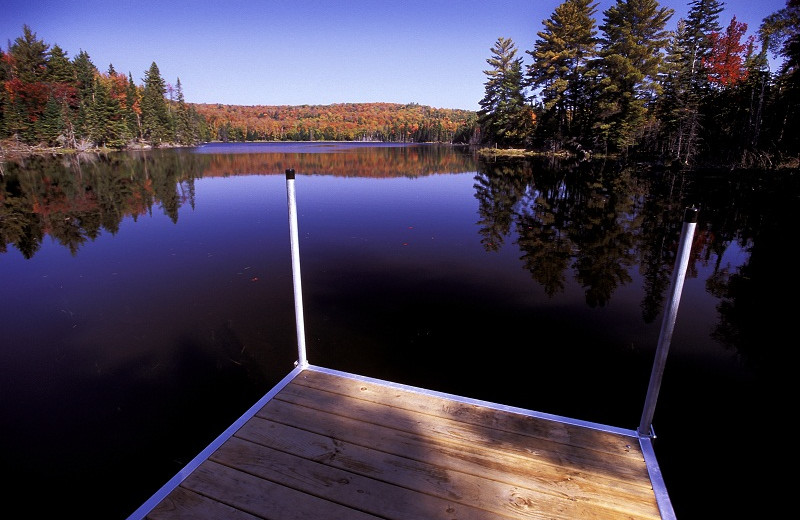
{"x": 701, "y": 94}
{"x": 50, "y": 100}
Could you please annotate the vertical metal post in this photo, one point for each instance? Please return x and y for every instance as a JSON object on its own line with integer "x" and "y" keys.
{"x": 298, "y": 290}
{"x": 667, "y": 326}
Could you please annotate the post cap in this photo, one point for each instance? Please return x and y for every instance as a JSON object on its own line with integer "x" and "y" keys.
{"x": 690, "y": 215}
{"x": 290, "y": 174}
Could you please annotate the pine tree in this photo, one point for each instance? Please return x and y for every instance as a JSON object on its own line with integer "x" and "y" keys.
{"x": 50, "y": 125}
{"x": 183, "y": 121}
{"x": 701, "y": 21}
{"x": 59, "y": 69}
{"x": 5, "y": 75}
{"x": 504, "y": 116}
{"x": 559, "y": 72}
{"x": 104, "y": 121}
{"x": 677, "y": 108}
{"x": 790, "y": 80}
{"x": 155, "y": 117}
{"x": 755, "y": 90}
{"x": 85, "y": 72}
{"x": 29, "y": 57}
{"x": 133, "y": 109}
{"x": 634, "y": 37}
{"x": 26, "y": 91}
{"x": 62, "y": 78}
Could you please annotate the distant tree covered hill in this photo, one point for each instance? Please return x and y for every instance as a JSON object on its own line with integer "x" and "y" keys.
{"x": 48, "y": 99}
{"x": 338, "y": 122}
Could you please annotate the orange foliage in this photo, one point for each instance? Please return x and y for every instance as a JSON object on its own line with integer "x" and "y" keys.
{"x": 726, "y": 60}
{"x": 338, "y": 122}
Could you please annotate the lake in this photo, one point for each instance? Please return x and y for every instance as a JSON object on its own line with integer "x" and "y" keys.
{"x": 148, "y": 303}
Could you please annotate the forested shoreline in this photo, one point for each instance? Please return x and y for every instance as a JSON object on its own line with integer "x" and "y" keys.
{"x": 50, "y": 103}
{"x": 703, "y": 93}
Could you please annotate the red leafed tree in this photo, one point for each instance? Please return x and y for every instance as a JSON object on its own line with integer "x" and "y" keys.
{"x": 725, "y": 62}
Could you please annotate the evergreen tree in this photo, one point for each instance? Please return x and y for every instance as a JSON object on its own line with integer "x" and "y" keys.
{"x": 28, "y": 57}
{"x": 85, "y": 72}
{"x": 559, "y": 72}
{"x": 133, "y": 109}
{"x": 63, "y": 90}
{"x": 26, "y": 91}
{"x": 755, "y": 91}
{"x": 5, "y": 75}
{"x": 677, "y": 108}
{"x": 504, "y": 116}
{"x": 50, "y": 125}
{"x": 183, "y": 121}
{"x": 104, "y": 122}
{"x": 783, "y": 32}
{"x": 632, "y": 47}
{"x": 59, "y": 69}
{"x": 701, "y": 21}
{"x": 155, "y": 117}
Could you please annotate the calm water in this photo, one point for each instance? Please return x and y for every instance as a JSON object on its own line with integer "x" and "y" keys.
{"x": 148, "y": 303}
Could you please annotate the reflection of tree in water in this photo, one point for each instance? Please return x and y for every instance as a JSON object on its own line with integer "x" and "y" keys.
{"x": 498, "y": 189}
{"x": 75, "y": 199}
{"x": 600, "y": 220}
{"x": 347, "y": 161}
{"x": 755, "y": 308}
{"x": 565, "y": 215}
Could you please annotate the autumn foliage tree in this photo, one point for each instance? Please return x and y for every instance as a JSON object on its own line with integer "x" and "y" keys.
{"x": 46, "y": 98}
{"x": 726, "y": 61}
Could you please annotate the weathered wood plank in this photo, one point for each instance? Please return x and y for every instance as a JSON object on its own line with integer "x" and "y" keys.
{"x": 264, "y": 498}
{"x": 560, "y": 432}
{"x": 341, "y": 448}
{"x": 183, "y": 504}
{"x": 492, "y": 442}
{"x": 494, "y": 489}
{"x": 328, "y": 481}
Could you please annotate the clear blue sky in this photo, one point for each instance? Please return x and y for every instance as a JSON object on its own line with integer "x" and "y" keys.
{"x": 293, "y": 52}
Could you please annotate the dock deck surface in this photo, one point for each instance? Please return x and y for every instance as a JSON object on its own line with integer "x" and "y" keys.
{"x": 330, "y": 445}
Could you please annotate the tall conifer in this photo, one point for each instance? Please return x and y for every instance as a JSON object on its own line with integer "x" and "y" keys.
{"x": 559, "y": 72}
{"x": 634, "y": 37}
{"x": 26, "y": 91}
{"x": 155, "y": 117}
{"x": 59, "y": 69}
{"x": 133, "y": 109}
{"x": 504, "y": 116}
{"x": 29, "y": 57}
{"x": 183, "y": 123}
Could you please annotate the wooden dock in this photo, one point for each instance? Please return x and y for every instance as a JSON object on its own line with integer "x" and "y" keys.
{"x": 330, "y": 445}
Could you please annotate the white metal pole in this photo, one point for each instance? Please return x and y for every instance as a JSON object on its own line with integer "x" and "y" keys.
{"x": 668, "y": 324}
{"x": 298, "y": 290}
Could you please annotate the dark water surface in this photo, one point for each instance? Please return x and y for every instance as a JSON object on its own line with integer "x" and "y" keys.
{"x": 148, "y": 303}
